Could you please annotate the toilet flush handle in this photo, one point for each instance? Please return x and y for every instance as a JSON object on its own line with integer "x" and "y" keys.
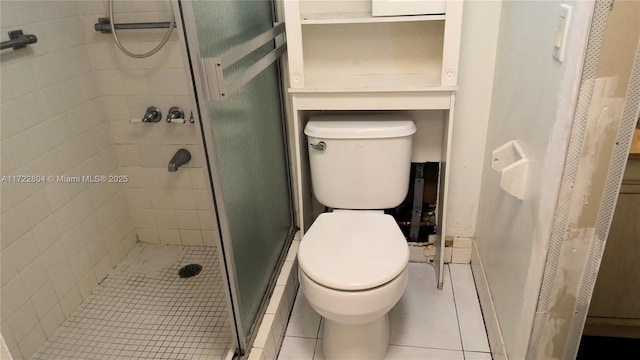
{"x": 319, "y": 146}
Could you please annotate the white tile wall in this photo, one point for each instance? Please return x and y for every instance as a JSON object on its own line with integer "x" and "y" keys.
{"x": 58, "y": 239}
{"x": 169, "y": 208}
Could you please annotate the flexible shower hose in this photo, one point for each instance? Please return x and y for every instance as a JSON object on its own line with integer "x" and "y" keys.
{"x": 150, "y": 52}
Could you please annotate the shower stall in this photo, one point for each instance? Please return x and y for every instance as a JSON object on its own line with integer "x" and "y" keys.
{"x": 146, "y": 205}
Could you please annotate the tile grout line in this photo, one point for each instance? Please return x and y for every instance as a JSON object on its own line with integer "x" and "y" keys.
{"x": 484, "y": 321}
{"x": 315, "y": 346}
{"x": 455, "y": 304}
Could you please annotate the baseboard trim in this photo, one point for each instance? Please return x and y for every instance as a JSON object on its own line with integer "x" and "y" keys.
{"x": 496, "y": 341}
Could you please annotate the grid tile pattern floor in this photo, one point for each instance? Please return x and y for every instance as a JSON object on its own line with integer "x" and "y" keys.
{"x": 144, "y": 310}
{"x": 425, "y": 324}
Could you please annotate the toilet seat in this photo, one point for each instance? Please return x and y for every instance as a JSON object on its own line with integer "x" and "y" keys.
{"x": 353, "y": 250}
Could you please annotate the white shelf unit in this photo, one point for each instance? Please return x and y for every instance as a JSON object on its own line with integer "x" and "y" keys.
{"x": 342, "y": 58}
{"x": 339, "y": 45}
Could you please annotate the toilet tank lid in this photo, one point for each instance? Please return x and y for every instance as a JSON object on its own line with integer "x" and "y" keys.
{"x": 345, "y": 127}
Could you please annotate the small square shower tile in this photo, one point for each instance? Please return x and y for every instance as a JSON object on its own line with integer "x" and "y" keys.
{"x": 124, "y": 317}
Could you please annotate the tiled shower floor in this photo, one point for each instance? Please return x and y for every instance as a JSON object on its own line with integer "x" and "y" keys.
{"x": 144, "y": 310}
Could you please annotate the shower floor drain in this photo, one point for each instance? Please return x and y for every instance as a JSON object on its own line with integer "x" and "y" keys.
{"x": 190, "y": 270}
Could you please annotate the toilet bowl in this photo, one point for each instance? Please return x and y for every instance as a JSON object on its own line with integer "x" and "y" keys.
{"x": 353, "y": 270}
{"x": 353, "y": 261}
{"x": 356, "y": 324}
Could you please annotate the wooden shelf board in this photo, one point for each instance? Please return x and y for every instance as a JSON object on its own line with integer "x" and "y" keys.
{"x": 372, "y": 89}
{"x": 359, "y": 18}
{"x": 372, "y": 83}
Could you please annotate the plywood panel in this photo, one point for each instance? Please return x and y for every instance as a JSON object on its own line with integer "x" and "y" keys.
{"x": 617, "y": 294}
{"x": 635, "y": 145}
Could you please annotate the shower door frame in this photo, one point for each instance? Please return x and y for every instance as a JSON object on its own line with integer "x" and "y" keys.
{"x": 192, "y": 57}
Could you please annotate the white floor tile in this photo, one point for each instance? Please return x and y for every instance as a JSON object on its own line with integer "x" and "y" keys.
{"x": 473, "y": 355}
{"x": 416, "y": 353}
{"x": 425, "y": 316}
{"x": 472, "y": 329}
{"x": 423, "y": 324}
{"x": 304, "y": 321}
{"x": 396, "y": 352}
{"x": 318, "y": 355}
{"x": 297, "y": 348}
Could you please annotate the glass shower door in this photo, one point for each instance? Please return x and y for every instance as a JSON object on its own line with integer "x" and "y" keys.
{"x": 247, "y": 152}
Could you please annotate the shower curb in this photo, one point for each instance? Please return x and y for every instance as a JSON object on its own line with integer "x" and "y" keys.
{"x": 266, "y": 345}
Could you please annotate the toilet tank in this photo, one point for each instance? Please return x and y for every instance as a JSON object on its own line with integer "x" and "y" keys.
{"x": 365, "y": 161}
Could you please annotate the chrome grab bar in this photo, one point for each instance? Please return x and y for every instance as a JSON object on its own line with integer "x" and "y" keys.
{"x": 104, "y": 25}
{"x": 217, "y": 88}
{"x": 18, "y": 40}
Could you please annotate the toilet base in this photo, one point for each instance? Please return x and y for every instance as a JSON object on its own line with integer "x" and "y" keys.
{"x": 368, "y": 341}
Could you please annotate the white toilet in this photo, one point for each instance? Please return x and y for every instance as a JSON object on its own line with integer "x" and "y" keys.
{"x": 353, "y": 261}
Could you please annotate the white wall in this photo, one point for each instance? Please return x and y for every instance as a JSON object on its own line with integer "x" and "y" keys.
{"x": 477, "y": 59}
{"x": 533, "y": 101}
{"x": 59, "y": 240}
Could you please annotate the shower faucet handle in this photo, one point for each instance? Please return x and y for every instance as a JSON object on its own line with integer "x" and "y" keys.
{"x": 176, "y": 114}
{"x": 153, "y": 114}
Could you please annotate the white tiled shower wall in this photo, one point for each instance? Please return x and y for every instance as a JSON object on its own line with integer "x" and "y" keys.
{"x": 58, "y": 239}
{"x": 169, "y": 208}
{"x": 65, "y": 106}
